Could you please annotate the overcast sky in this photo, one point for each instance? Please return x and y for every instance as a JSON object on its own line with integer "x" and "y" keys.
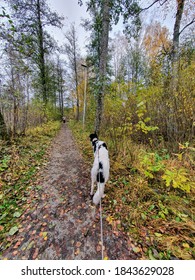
{"x": 72, "y": 12}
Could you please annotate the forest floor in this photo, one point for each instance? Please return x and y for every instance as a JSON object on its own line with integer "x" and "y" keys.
{"x": 60, "y": 221}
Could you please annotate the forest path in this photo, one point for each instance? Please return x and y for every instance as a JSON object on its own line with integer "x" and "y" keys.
{"x": 60, "y": 221}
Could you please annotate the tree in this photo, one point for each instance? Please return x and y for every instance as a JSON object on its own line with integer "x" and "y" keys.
{"x": 184, "y": 10}
{"x": 29, "y": 79}
{"x": 105, "y": 13}
{"x": 32, "y": 38}
{"x": 102, "y": 62}
{"x": 72, "y": 51}
{"x": 60, "y": 85}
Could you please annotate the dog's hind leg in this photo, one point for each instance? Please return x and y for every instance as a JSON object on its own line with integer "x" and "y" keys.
{"x": 92, "y": 188}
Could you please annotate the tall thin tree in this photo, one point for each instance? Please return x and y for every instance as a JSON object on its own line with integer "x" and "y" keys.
{"x": 72, "y": 51}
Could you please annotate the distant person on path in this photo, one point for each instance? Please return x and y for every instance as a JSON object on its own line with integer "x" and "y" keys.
{"x": 63, "y": 119}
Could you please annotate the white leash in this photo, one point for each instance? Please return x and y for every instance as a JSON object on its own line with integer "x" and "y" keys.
{"x": 101, "y": 229}
{"x": 101, "y": 220}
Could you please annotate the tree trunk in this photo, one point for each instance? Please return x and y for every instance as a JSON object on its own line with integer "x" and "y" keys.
{"x": 60, "y": 87}
{"x": 173, "y": 125}
{"x": 61, "y": 96}
{"x": 41, "y": 62}
{"x": 76, "y": 77}
{"x": 3, "y": 131}
{"x": 176, "y": 32}
{"x": 26, "y": 105}
{"x": 102, "y": 63}
{"x": 72, "y": 52}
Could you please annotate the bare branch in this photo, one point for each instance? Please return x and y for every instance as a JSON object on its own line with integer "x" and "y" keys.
{"x": 191, "y": 22}
{"x": 156, "y": 1}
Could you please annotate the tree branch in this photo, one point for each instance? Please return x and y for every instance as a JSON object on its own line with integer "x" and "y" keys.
{"x": 191, "y": 22}
{"x": 156, "y": 1}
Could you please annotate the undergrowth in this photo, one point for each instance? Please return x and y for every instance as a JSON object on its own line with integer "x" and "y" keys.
{"x": 20, "y": 163}
{"x": 149, "y": 197}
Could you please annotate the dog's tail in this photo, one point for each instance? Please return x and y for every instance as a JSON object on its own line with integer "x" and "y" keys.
{"x": 99, "y": 193}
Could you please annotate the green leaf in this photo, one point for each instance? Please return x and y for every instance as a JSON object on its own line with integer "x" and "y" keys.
{"x": 157, "y": 234}
{"x": 148, "y": 174}
{"x": 143, "y": 216}
{"x": 16, "y": 214}
{"x": 13, "y": 230}
{"x": 115, "y": 202}
{"x": 39, "y": 187}
{"x": 3, "y": 216}
{"x": 44, "y": 234}
{"x": 151, "y": 207}
{"x": 151, "y": 257}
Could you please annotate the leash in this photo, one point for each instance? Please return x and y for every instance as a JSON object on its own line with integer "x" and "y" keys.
{"x": 101, "y": 229}
{"x": 101, "y": 220}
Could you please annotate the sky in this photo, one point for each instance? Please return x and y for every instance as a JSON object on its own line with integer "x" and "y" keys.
{"x": 72, "y": 12}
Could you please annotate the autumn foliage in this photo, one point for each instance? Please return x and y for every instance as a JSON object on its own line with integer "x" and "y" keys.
{"x": 148, "y": 124}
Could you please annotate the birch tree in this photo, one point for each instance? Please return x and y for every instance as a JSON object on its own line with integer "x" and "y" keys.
{"x": 72, "y": 52}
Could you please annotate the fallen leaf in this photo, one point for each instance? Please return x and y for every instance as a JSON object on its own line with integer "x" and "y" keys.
{"x": 16, "y": 214}
{"x": 35, "y": 254}
{"x": 77, "y": 251}
{"x": 157, "y": 234}
{"x": 44, "y": 234}
{"x": 78, "y": 244}
{"x": 13, "y": 230}
{"x": 136, "y": 249}
{"x": 1, "y": 228}
{"x": 185, "y": 245}
{"x": 98, "y": 248}
{"x": 17, "y": 245}
{"x": 30, "y": 245}
{"x": 15, "y": 253}
{"x": 151, "y": 257}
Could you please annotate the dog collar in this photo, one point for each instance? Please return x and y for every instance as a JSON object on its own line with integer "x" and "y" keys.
{"x": 94, "y": 140}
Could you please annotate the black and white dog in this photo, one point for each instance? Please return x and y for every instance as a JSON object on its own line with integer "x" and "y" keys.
{"x": 100, "y": 169}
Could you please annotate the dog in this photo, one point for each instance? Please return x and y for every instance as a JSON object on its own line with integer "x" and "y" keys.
{"x": 100, "y": 169}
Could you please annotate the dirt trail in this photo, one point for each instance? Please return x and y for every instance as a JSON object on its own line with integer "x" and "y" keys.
{"x": 61, "y": 222}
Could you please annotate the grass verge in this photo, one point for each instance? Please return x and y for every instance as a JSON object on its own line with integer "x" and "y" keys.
{"x": 150, "y": 197}
{"x": 20, "y": 163}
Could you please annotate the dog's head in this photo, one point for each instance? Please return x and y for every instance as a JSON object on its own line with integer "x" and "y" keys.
{"x": 93, "y": 136}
